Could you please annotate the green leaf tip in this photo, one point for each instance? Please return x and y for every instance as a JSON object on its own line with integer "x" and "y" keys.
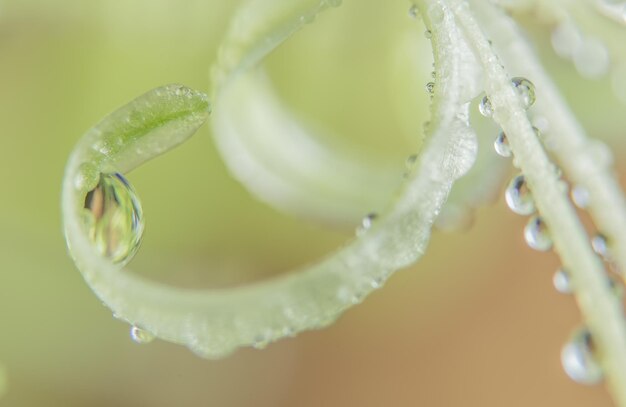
{"x": 146, "y": 127}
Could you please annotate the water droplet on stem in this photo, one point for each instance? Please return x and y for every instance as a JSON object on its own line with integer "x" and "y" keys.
{"x": 580, "y": 196}
{"x": 518, "y": 196}
{"x": 485, "y": 108}
{"x": 526, "y": 91}
{"x": 114, "y": 218}
{"x": 141, "y": 336}
{"x": 562, "y": 281}
{"x": 366, "y": 223}
{"x": 578, "y": 359}
{"x": 537, "y": 235}
{"x": 501, "y": 145}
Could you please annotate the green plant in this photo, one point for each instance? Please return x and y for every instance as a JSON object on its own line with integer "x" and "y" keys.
{"x": 103, "y": 216}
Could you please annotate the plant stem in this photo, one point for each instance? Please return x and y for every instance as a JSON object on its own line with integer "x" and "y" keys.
{"x": 581, "y": 158}
{"x": 601, "y": 310}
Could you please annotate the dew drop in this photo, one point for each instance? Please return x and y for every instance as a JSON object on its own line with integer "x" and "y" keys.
{"x": 141, "y": 336}
{"x": 485, "y": 108}
{"x": 376, "y": 282}
{"x": 114, "y": 218}
{"x": 413, "y": 11}
{"x": 580, "y": 196}
{"x": 501, "y": 145}
{"x": 428, "y": 34}
{"x": 578, "y": 359}
{"x": 537, "y": 235}
{"x": 518, "y": 196}
{"x": 599, "y": 244}
{"x": 526, "y": 91}
{"x": 366, "y": 223}
{"x": 562, "y": 281}
{"x": 260, "y": 341}
{"x": 430, "y": 87}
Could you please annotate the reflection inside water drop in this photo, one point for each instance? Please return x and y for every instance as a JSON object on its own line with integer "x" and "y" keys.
{"x": 114, "y": 218}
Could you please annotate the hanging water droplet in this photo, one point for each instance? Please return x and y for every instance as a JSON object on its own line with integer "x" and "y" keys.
{"x": 501, "y": 145}
{"x": 485, "y": 108}
{"x": 580, "y": 196}
{"x": 526, "y": 91}
{"x": 413, "y": 11}
{"x": 518, "y": 196}
{"x": 599, "y": 244}
{"x": 562, "y": 281}
{"x": 537, "y": 235}
{"x": 260, "y": 341}
{"x": 428, "y": 34}
{"x": 578, "y": 359}
{"x": 433, "y": 74}
{"x": 377, "y": 282}
{"x": 114, "y": 218}
{"x": 366, "y": 223}
{"x": 141, "y": 336}
{"x": 430, "y": 87}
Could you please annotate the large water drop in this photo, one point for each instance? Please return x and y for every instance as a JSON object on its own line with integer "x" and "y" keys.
{"x": 537, "y": 235}
{"x": 501, "y": 145}
{"x": 518, "y": 196}
{"x": 114, "y": 218}
{"x": 578, "y": 359}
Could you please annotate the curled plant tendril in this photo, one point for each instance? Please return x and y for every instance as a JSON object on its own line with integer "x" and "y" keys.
{"x": 212, "y": 323}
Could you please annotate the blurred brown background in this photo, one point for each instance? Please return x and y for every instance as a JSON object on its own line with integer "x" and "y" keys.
{"x": 475, "y": 323}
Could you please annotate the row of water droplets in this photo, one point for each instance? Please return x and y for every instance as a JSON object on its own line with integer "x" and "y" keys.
{"x": 578, "y": 354}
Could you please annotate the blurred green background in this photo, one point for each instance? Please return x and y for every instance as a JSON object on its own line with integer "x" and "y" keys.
{"x": 475, "y": 323}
